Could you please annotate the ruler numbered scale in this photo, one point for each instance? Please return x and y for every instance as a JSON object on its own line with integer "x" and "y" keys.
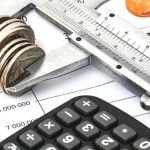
{"x": 118, "y": 45}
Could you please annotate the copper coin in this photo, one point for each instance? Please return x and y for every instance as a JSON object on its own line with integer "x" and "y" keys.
{"x": 139, "y": 7}
{"x": 15, "y": 70}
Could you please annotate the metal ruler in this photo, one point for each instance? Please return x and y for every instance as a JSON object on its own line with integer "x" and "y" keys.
{"x": 103, "y": 39}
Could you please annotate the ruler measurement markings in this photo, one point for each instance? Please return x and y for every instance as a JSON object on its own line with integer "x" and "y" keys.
{"x": 145, "y": 50}
{"x": 61, "y": 15}
{"x": 62, "y": 1}
{"x": 105, "y": 44}
{"x": 71, "y": 7}
{"x": 117, "y": 32}
{"x": 139, "y": 47}
{"x": 80, "y": 13}
{"x": 83, "y": 14}
{"x": 65, "y": 3}
{"x": 122, "y": 57}
{"x": 127, "y": 35}
{"x": 74, "y": 8}
{"x": 112, "y": 29}
{"x": 76, "y": 11}
{"x": 68, "y": 5}
{"x": 54, "y": 10}
{"x": 93, "y": 22}
{"x": 123, "y": 37}
{"x": 128, "y": 43}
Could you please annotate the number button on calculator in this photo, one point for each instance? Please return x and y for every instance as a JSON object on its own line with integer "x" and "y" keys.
{"x": 11, "y": 146}
{"x": 68, "y": 141}
{"x": 49, "y": 147}
{"x": 83, "y": 123}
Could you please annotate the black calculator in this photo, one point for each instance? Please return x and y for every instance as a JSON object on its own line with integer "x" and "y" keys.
{"x": 83, "y": 123}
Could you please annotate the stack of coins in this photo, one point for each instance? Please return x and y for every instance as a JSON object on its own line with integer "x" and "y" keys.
{"x": 17, "y": 51}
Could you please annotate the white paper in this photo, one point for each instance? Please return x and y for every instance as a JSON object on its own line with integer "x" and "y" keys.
{"x": 16, "y": 113}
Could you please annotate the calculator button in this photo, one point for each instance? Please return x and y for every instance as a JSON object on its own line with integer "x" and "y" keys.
{"x": 142, "y": 144}
{"x": 124, "y": 133}
{"x": 107, "y": 143}
{"x": 49, "y": 128}
{"x": 105, "y": 120}
{"x": 11, "y": 146}
{"x": 86, "y": 106}
{"x": 87, "y": 130}
{"x": 68, "y": 117}
{"x": 87, "y": 148}
{"x": 68, "y": 141}
{"x": 30, "y": 139}
{"x": 48, "y": 147}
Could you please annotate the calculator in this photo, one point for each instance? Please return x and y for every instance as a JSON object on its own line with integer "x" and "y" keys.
{"x": 83, "y": 123}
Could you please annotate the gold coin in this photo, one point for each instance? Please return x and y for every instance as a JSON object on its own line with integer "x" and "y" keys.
{"x": 11, "y": 53}
{"x": 15, "y": 70}
{"x": 6, "y": 23}
{"x": 7, "y": 47}
{"x": 15, "y": 33}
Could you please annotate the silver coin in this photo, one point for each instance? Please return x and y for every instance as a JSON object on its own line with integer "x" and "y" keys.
{"x": 7, "y": 22}
{"x": 13, "y": 25}
{"x": 10, "y": 54}
{"x": 4, "y": 18}
{"x": 12, "y": 43}
{"x": 16, "y": 69}
{"x": 15, "y": 33}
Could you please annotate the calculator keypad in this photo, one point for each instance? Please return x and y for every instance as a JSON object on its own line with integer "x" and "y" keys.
{"x": 85, "y": 123}
{"x": 142, "y": 144}
{"x": 85, "y": 106}
{"x": 49, "y": 128}
{"x": 48, "y": 147}
{"x": 9, "y": 146}
{"x": 87, "y": 148}
{"x": 87, "y": 130}
{"x": 105, "y": 120}
{"x": 68, "y": 141}
{"x": 106, "y": 142}
{"x": 68, "y": 116}
{"x": 30, "y": 139}
{"x": 124, "y": 133}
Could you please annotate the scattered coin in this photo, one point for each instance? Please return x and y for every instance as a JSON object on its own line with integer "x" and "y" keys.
{"x": 15, "y": 70}
{"x": 139, "y": 7}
